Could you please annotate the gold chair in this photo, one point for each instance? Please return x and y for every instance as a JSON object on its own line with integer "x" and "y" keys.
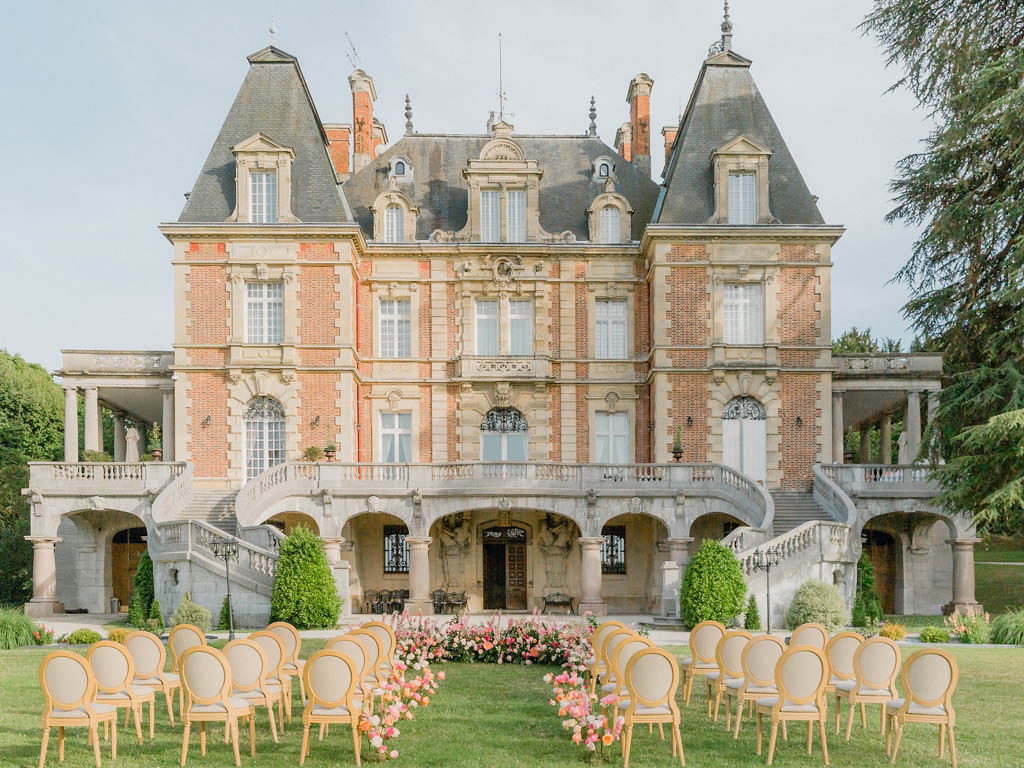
{"x": 69, "y": 688}
{"x": 292, "y": 641}
{"x": 800, "y": 678}
{"x": 814, "y": 635}
{"x": 876, "y": 663}
{"x": 150, "y": 656}
{"x": 372, "y": 675}
{"x": 248, "y": 665}
{"x": 330, "y": 682}
{"x": 273, "y": 650}
{"x": 617, "y": 664}
{"x": 609, "y": 683}
{"x": 929, "y": 679}
{"x": 839, "y": 652}
{"x": 703, "y": 641}
{"x": 355, "y": 648}
{"x": 206, "y": 683}
{"x": 180, "y": 639}
{"x": 597, "y": 664}
{"x": 114, "y": 671}
{"x": 728, "y": 655}
{"x": 652, "y": 677}
{"x": 757, "y": 662}
{"x": 388, "y": 643}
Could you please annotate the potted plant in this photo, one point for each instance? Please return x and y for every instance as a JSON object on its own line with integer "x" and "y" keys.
{"x": 155, "y": 447}
{"x": 313, "y": 453}
{"x": 677, "y": 444}
{"x": 331, "y": 451}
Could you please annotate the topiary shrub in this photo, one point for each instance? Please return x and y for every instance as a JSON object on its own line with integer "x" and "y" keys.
{"x": 192, "y": 613}
{"x": 752, "y": 619}
{"x": 867, "y": 607}
{"x": 224, "y": 622}
{"x": 893, "y": 631}
{"x": 83, "y": 636}
{"x": 304, "y": 594}
{"x": 155, "y": 622}
{"x": 820, "y": 603}
{"x": 1008, "y": 628}
{"x": 934, "y": 635}
{"x": 143, "y": 591}
{"x": 117, "y": 635}
{"x": 713, "y": 586}
{"x": 16, "y": 629}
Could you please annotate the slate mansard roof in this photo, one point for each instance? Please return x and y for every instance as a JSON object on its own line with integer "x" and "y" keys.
{"x": 725, "y": 104}
{"x": 273, "y": 100}
{"x": 441, "y": 193}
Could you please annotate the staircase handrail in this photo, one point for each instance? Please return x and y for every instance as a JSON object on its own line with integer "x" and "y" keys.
{"x": 196, "y": 535}
{"x": 272, "y": 533}
{"x": 175, "y": 495}
{"x": 831, "y": 497}
{"x": 798, "y": 539}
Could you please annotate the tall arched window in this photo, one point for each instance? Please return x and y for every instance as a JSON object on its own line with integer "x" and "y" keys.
{"x": 610, "y": 230}
{"x": 504, "y": 436}
{"x": 744, "y": 424}
{"x": 264, "y": 435}
{"x": 394, "y": 224}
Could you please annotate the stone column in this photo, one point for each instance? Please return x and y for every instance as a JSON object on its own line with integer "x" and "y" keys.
{"x": 339, "y": 569}
{"x": 93, "y": 424}
{"x": 119, "y": 442}
{"x": 672, "y": 574}
{"x": 167, "y": 425}
{"x": 963, "y": 577}
{"x": 70, "y": 424}
{"x": 885, "y": 440}
{"x": 931, "y": 409}
{"x": 44, "y": 577}
{"x": 419, "y": 576}
{"x": 837, "y": 427}
{"x": 590, "y": 572}
{"x": 864, "y": 452}
{"x": 913, "y": 424}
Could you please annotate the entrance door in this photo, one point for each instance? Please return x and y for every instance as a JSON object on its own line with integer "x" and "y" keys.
{"x": 881, "y": 549}
{"x": 505, "y": 568}
{"x": 743, "y": 437}
{"x": 126, "y": 550}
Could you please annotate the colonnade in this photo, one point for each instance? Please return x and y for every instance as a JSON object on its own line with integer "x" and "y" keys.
{"x": 126, "y": 444}
{"x": 911, "y": 425}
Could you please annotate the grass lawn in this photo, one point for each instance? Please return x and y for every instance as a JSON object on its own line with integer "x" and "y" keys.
{"x": 999, "y": 587}
{"x": 498, "y": 717}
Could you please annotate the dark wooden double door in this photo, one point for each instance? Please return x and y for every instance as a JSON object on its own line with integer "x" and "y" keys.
{"x": 126, "y": 550}
{"x": 505, "y": 568}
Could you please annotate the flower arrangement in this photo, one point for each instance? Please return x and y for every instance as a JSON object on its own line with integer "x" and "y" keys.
{"x": 398, "y": 697}
{"x": 589, "y": 726}
{"x": 43, "y": 635}
{"x": 968, "y": 629}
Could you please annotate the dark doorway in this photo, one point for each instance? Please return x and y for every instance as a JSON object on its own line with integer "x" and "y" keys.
{"x": 126, "y": 550}
{"x": 881, "y": 550}
{"x": 505, "y": 568}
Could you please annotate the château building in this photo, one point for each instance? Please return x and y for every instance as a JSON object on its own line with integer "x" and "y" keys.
{"x": 537, "y": 373}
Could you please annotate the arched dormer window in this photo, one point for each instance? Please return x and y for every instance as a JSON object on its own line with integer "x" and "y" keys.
{"x": 394, "y": 216}
{"x": 603, "y": 170}
{"x": 264, "y": 435}
{"x": 394, "y": 224}
{"x": 400, "y": 168}
{"x": 504, "y": 435}
{"x": 609, "y": 216}
{"x": 611, "y": 229}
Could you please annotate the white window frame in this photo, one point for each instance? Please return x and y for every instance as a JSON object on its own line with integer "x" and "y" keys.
{"x": 394, "y": 224}
{"x": 515, "y": 215}
{"x": 395, "y": 328}
{"x": 265, "y": 440}
{"x": 490, "y": 215}
{"x": 262, "y": 196}
{"x": 743, "y": 313}
{"x": 742, "y": 197}
{"x": 264, "y": 312}
{"x": 611, "y": 326}
{"x": 520, "y": 327}
{"x": 393, "y": 427}
{"x": 610, "y": 224}
{"x": 611, "y": 429}
{"x": 481, "y": 317}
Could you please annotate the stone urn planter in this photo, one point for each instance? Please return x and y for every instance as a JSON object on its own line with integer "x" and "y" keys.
{"x": 158, "y": 454}
{"x": 330, "y": 452}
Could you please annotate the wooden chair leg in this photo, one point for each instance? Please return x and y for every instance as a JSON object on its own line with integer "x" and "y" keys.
{"x": 96, "y": 749}
{"x": 899, "y": 737}
{"x": 739, "y": 718}
{"x": 785, "y": 731}
{"x": 270, "y": 717}
{"x": 810, "y": 735}
{"x": 863, "y": 715}
{"x": 234, "y": 742}
{"x": 952, "y": 744}
{"x": 661, "y": 731}
{"x": 942, "y": 740}
{"x": 202, "y": 738}
{"x": 60, "y": 743}
{"x": 170, "y": 706}
{"x": 305, "y": 744}
{"x": 152, "y": 706}
{"x": 884, "y": 718}
{"x": 184, "y": 742}
{"x": 679, "y": 740}
{"x": 759, "y": 730}
{"x": 252, "y": 733}
{"x": 137, "y": 716}
{"x": 42, "y": 747}
{"x": 771, "y": 740}
{"x": 627, "y": 743}
{"x": 849, "y": 720}
{"x": 824, "y": 739}
{"x": 113, "y": 739}
{"x": 838, "y": 710}
{"x": 357, "y": 743}
{"x": 302, "y": 690}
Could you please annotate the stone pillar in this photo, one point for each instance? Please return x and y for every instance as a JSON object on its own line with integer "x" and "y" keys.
{"x": 963, "y": 577}
{"x": 119, "y": 444}
{"x": 44, "y": 577}
{"x": 167, "y": 425}
{"x": 419, "y": 576}
{"x": 672, "y": 574}
{"x": 885, "y": 440}
{"x": 70, "y": 424}
{"x": 931, "y": 409}
{"x": 864, "y": 452}
{"x": 913, "y": 424}
{"x": 837, "y": 427}
{"x": 340, "y": 571}
{"x": 93, "y": 424}
{"x": 590, "y": 572}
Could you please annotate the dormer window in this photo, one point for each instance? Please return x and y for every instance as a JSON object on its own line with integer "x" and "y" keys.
{"x": 263, "y": 197}
{"x": 490, "y": 216}
{"x": 394, "y": 215}
{"x": 603, "y": 170}
{"x": 742, "y": 198}
{"x": 609, "y": 215}
{"x": 394, "y": 229}
{"x": 740, "y": 174}
{"x": 610, "y": 224}
{"x": 263, "y": 181}
{"x": 400, "y": 168}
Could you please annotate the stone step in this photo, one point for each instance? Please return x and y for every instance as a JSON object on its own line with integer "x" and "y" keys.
{"x": 214, "y": 507}
{"x": 793, "y": 508}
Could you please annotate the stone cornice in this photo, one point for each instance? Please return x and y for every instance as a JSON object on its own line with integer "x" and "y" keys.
{"x": 244, "y": 231}
{"x": 703, "y": 233}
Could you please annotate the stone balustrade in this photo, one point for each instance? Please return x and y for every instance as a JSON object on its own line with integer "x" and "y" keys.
{"x": 193, "y": 536}
{"x": 892, "y": 480}
{"x": 86, "y": 478}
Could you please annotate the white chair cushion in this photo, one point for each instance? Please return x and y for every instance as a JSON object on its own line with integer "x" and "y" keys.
{"x": 770, "y": 703}
{"x": 646, "y": 710}
{"x": 170, "y": 677}
{"x": 711, "y": 676}
{"x": 141, "y": 691}
{"x": 257, "y": 694}
{"x": 768, "y": 690}
{"x": 733, "y": 682}
{"x": 833, "y": 680}
{"x": 915, "y": 709}
{"x": 237, "y": 703}
{"x": 99, "y": 709}
{"x": 331, "y": 711}
{"x": 699, "y": 664}
{"x": 293, "y": 667}
{"x": 609, "y": 688}
{"x": 847, "y": 686}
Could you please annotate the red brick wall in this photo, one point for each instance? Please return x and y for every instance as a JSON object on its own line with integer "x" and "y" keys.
{"x": 688, "y": 314}
{"x": 798, "y": 394}
{"x": 426, "y": 424}
{"x": 207, "y": 445}
{"x": 798, "y": 252}
{"x": 206, "y": 304}
{"x": 317, "y": 397}
{"x": 317, "y": 294}
{"x": 640, "y": 118}
{"x": 797, "y": 296}
{"x": 688, "y": 396}
{"x": 338, "y": 149}
{"x": 362, "y": 120}
{"x": 206, "y": 251}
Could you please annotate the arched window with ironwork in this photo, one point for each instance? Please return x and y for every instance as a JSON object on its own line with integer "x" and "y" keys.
{"x": 264, "y": 435}
{"x": 504, "y": 435}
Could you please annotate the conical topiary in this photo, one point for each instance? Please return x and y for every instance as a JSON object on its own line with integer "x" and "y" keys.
{"x": 713, "y": 586}
{"x": 225, "y": 618}
{"x": 752, "y": 619}
{"x": 304, "y": 594}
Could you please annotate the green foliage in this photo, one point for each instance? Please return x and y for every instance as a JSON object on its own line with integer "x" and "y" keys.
{"x": 155, "y": 622}
{"x": 16, "y": 629}
{"x": 153, "y": 439}
{"x": 867, "y": 606}
{"x": 224, "y": 621}
{"x": 313, "y": 453}
{"x": 861, "y": 342}
{"x": 304, "y": 593}
{"x": 934, "y": 635}
{"x": 96, "y": 456}
{"x": 973, "y": 630}
{"x": 819, "y": 603}
{"x": 143, "y": 591}
{"x": 1008, "y": 628}
{"x": 189, "y": 612}
{"x": 752, "y": 619}
{"x": 83, "y": 636}
{"x": 713, "y": 586}
{"x": 117, "y": 635}
{"x": 893, "y": 631}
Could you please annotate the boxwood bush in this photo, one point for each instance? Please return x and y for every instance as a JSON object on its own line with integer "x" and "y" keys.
{"x": 189, "y": 612}
{"x": 713, "y": 586}
{"x": 304, "y": 594}
{"x": 934, "y": 635}
{"x": 83, "y": 636}
{"x": 819, "y": 603}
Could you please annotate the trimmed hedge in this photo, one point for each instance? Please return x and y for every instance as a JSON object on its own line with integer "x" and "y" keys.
{"x": 713, "y": 586}
{"x": 934, "y": 635}
{"x": 83, "y": 636}
{"x": 304, "y": 594}
{"x": 819, "y": 603}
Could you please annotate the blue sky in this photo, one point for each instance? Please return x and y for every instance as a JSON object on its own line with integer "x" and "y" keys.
{"x": 111, "y": 108}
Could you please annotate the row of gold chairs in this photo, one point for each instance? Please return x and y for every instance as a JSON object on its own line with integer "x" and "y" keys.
{"x": 644, "y": 679}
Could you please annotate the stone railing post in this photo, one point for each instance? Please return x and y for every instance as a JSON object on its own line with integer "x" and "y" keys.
{"x": 913, "y": 425}
{"x": 44, "y": 577}
{"x": 590, "y": 554}
{"x": 70, "y": 424}
{"x": 963, "y": 577}
{"x": 419, "y": 576}
{"x": 340, "y": 571}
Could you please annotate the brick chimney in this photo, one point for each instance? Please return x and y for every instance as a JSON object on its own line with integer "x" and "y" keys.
{"x": 338, "y": 138}
{"x": 624, "y": 141}
{"x": 639, "y": 99}
{"x": 669, "y": 132}
{"x": 363, "y": 96}
{"x": 380, "y": 136}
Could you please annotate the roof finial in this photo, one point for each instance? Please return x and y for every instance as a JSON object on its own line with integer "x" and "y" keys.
{"x": 593, "y": 118}
{"x": 408, "y": 116}
{"x": 726, "y": 29}
{"x": 502, "y": 96}
{"x": 273, "y": 24}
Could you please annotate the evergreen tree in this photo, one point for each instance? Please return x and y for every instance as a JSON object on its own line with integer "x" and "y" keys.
{"x": 713, "y": 586}
{"x": 143, "y": 591}
{"x": 304, "y": 594}
{"x": 964, "y": 62}
{"x": 225, "y": 617}
{"x": 752, "y": 619}
{"x": 867, "y": 607}
{"x": 156, "y": 617}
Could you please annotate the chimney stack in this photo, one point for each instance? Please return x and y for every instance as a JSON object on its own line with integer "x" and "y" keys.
{"x": 380, "y": 136}
{"x": 639, "y": 99}
{"x": 669, "y": 132}
{"x": 338, "y": 137}
{"x": 363, "y": 96}
{"x": 624, "y": 141}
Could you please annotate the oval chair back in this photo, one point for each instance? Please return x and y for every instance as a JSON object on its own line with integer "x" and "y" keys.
{"x": 800, "y": 678}
{"x": 67, "y": 681}
{"x": 876, "y": 662}
{"x": 181, "y": 638}
{"x": 290, "y": 639}
{"x": 929, "y": 680}
{"x": 386, "y": 637}
{"x": 148, "y": 655}
{"x": 604, "y": 629}
{"x": 623, "y": 654}
{"x": 248, "y": 665}
{"x": 112, "y": 666}
{"x": 729, "y": 654}
{"x": 205, "y": 676}
{"x": 611, "y": 650}
{"x": 371, "y": 671}
{"x": 355, "y": 649}
{"x": 704, "y": 639}
{"x": 839, "y": 651}
{"x": 758, "y": 661}
{"x": 273, "y": 652}
{"x": 330, "y": 680}
{"x": 652, "y": 677}
{"x": 814, "y": 635}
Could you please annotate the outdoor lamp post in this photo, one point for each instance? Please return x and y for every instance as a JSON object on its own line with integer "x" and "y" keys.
{"x": 763, "y": 560}
{"x": 228, "y": 551}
